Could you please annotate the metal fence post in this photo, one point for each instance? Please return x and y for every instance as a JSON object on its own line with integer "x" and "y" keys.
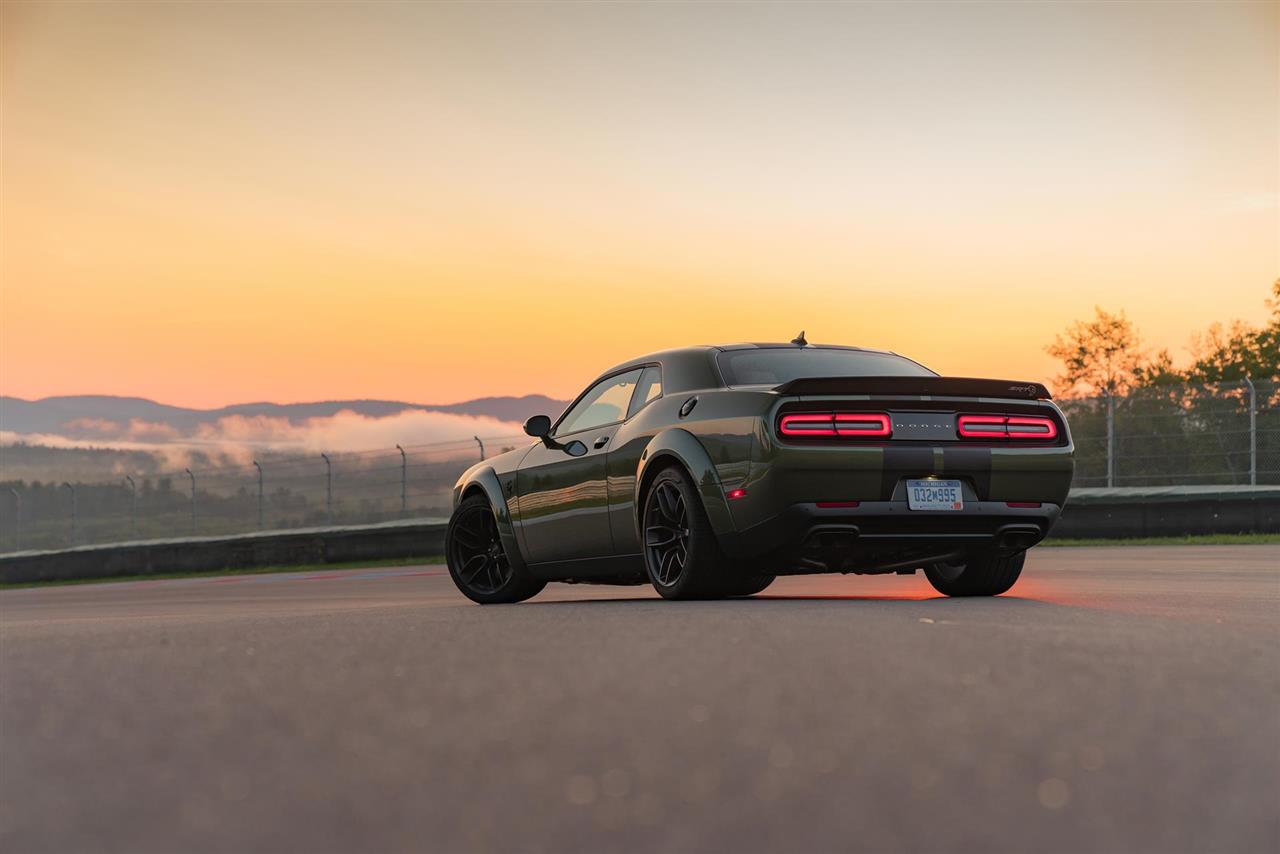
{"x": 193, "y": 499}
{"x": 328, "y": 489}
{"x": 17, "y": 519}
{"x": 258, "y": 466}
{"x": 1111, "y": 440}
{"x": 404, "y": 479}
{"x": 1253, "y": 432}
{"x": 133, "y": 506}
{"x": 75, "y": 514}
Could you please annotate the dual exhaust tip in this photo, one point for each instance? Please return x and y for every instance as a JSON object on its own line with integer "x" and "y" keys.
{"x": 1016, "y": 538}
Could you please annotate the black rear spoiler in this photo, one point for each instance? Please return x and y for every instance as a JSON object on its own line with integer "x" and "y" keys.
{"x": 925, "y": 386}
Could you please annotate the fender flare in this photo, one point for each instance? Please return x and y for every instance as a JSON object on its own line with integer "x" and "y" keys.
{"x": 683, "y": 447}
{"x": 486, "y": 479}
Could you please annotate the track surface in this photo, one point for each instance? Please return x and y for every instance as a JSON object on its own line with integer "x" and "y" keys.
{"x": 1123, "y": 699}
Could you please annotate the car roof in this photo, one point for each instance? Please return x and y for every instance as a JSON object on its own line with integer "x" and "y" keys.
{"x": 791, "y": 346}
{"x": 693, "y": 367}
{"x": 695, "y": 349}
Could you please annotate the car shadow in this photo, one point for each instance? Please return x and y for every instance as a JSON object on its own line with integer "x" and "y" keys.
{"x": 767, "y": 600}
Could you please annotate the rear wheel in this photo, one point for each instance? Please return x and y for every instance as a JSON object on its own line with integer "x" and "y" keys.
{"x": 978, "y": 575}
{"x": 478, "y": 563}
{"x": 750, "y": 585}
{"x": 681, "y": 553}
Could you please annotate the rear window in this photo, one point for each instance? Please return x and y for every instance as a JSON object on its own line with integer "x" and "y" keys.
{"x": 777, "y": 366}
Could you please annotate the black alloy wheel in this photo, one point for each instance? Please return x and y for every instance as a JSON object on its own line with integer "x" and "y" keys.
{"x": 681, "y": 553}
{"x": 666, "y": 533}
{"x": 477, "y": 560}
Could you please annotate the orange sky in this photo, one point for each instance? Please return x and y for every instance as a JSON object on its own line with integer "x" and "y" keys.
{"x": 212, "y": 203}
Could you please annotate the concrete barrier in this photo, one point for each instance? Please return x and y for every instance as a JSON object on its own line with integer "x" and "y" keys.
{"x": 1170, "y": 511}
{"x": 400, "y": 539}
{"x": 1121, "y": 512}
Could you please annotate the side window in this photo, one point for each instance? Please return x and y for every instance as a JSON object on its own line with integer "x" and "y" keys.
{"x": 648, "y": 389}
{"x": 604, "y": 403}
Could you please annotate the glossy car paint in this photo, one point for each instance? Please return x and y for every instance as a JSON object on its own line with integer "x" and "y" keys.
{"x": 576, "y": 517}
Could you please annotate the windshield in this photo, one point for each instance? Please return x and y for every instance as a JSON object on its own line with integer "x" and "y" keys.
{"x": 775, "y": 366}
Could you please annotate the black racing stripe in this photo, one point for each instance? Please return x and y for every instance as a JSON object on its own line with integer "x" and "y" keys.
{"x": 971, "y": 463}
{"x": 900, "y": 462}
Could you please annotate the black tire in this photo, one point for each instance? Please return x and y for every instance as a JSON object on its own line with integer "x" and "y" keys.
{"x": 681, "y": 553}
{"x": 750, "y": 585}
{"x": 979, "y": 575}
{"x": 478, "y": 564}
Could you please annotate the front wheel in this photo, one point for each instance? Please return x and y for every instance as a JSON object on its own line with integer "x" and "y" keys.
{"x": 478, "y": 563}
{"x": 977, "y": 575}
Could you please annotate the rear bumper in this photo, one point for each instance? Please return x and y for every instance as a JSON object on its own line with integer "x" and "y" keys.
{"x": 883, "y": 536}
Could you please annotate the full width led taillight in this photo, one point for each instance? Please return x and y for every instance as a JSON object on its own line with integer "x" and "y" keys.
{"x": 1006, "y": 427}
{"x": 870, "y": 425}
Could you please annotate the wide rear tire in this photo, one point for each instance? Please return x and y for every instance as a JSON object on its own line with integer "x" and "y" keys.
{"x": 750, "y": 585}
{"x": 979, "y": 575}
{"x": 681, "y": 553}
{"x": 478, "y": 563}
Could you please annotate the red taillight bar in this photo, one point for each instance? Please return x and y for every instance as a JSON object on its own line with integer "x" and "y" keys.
{"x": 856, "y": 424}
{"x": 863, "y": 424}
{"x": 1031, "y": 428}
{"x": 981, "y": 427}
{"x": 1006, "y": 427}
{"x": 809, "y": 424}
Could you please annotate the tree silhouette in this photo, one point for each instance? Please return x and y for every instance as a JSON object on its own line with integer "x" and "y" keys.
{"x": 1099, "y": 356}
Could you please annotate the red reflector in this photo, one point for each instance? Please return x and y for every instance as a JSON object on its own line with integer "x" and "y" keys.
{"x": 839, "y": 503}
{"x": 1027, "y": 504}
{"x": 736, "y": 493}
{"x": 1006, "y": 427}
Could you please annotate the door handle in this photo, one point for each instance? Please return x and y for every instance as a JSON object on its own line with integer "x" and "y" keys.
{"x": 601, "y": 442}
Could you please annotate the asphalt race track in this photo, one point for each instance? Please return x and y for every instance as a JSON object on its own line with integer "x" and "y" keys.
{"x": 1120, "y": 700}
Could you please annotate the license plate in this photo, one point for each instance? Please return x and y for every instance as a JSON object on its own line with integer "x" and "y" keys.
{"x": 934, "y": 495}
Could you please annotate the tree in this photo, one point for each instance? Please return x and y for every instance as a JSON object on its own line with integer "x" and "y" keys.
{"x": 1238, "y": 351}
{"x": 1099, "y": 356}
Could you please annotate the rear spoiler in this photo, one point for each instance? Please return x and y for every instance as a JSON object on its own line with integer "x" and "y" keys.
{"x": 924, "y": 386}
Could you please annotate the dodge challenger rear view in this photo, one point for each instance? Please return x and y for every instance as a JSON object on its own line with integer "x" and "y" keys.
{"x": 709, "y": 471}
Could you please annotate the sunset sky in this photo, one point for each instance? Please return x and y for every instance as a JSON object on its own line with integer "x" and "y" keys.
{"x": 212, "y": 203}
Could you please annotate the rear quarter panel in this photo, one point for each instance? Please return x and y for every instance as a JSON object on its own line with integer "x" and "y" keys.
{"x": 723, "y": 425}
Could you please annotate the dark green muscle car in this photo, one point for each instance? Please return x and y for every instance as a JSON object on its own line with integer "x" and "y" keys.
{"x": 709, "y": 471}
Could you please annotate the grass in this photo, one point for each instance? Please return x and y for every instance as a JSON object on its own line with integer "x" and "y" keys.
{"x": 258, "y": 570}
{"x": 1198, "y": 540}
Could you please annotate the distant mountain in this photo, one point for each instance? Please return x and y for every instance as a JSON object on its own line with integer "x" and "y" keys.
{"x": 60, "y": 414}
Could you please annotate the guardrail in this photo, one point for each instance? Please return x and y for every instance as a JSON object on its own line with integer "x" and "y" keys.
{"x": 1170, "y": 511}
{"x": 1100, "y": 512}
{"x": 409, "y": 538}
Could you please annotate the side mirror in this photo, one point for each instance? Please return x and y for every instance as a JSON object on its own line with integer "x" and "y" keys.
{"x": 538, "y": 426}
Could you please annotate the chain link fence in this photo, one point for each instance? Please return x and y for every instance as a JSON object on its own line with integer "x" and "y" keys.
{"x": 1225, "y": 433}
{"x": 1212, "y": 434}
{"x": 277, "y": 492}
